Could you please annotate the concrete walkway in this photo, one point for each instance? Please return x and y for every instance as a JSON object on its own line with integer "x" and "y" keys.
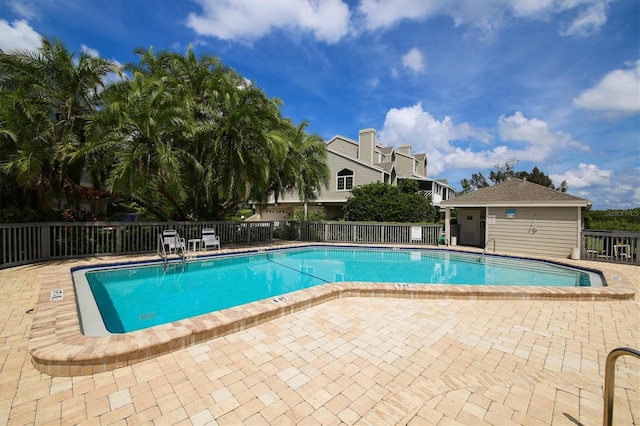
{"x": 374, "y": 361}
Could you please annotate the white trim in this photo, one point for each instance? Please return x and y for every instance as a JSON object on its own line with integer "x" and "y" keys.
{"x": 345, "y": 177}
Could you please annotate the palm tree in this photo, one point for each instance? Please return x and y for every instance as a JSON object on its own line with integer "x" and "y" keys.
{"x": 189, "y": 137}
{"x": 304, "y": 169}
{"x": 141, "y": 128}
{"x": 46, "y": 102}
{"x": 242, "y": 151}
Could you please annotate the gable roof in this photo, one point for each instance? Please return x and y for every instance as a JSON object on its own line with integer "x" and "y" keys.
{"x": 515, "y": 192}
{"x": 356, "y": 160}
{"x": 388, "y": 165}
{"x": 386, "y": 149}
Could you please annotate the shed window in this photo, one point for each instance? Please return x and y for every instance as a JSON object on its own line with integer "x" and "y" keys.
{"x": 345, "y": 180}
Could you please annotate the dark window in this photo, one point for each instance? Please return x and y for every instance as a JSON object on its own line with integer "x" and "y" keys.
{"x": 345, "y": 180}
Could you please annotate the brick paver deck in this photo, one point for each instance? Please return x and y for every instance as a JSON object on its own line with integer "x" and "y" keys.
{"x": 348, "y": 360}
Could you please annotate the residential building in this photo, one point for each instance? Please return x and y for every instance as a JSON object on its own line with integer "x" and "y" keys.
{"x": 354, "y": 163}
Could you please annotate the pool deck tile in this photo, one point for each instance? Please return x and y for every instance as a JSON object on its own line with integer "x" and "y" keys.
{"x": 345, "y": 353}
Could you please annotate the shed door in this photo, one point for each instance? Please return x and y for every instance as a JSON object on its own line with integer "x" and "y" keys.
{"x": 470, "y": 228}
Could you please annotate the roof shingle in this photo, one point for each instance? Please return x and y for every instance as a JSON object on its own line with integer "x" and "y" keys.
{"x": 515, "y": 191}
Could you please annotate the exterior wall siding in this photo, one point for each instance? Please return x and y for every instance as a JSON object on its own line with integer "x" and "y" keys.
{"x": 404, "y": 165}
{"x": 362, "y": 175}
{"x": 557, "y": 230}
{"x": 342, "y": 145}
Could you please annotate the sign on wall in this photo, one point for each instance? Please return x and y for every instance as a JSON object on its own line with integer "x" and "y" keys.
{"x": 491, "y": 219}
{"x": 510, "y": 214}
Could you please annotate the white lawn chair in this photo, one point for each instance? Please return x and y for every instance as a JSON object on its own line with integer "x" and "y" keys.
{"x": 172, "y": 241}
{"x": 210, "y": 239}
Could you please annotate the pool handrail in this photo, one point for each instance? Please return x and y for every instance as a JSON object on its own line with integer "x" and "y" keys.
{"x": 610, "y": 378}
{"x": 485, "y": 248}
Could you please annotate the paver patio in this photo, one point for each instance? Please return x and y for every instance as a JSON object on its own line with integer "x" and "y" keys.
{"x": 348, "y": 361}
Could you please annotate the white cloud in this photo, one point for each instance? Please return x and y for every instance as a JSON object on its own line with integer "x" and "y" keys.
{"x": 441, "y": 140}
{"x": 414, "y": 60}
{"x": 586, "y": 175}
{"x": 384, "y": 14}
{"x": 524, "y": 8}
{"x": 17, "y": 36}
{"x": 425, "y": 133}
{"x": 618, "y": 91}
{"x": 89, "y": 51}
{"x": 588, "y": 22}
{"x": 332, "y": 20}
{"x": 604, "y": 187}
{"x": 415, "y": 124}
{"x": 488, "y": 15}
{"x": 23, "y": 8}
{"x": 518, "y": 128}
{"x": 249, "y": 20}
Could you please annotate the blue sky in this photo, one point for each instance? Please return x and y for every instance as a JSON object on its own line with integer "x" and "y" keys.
{"x": 552, "y": 83}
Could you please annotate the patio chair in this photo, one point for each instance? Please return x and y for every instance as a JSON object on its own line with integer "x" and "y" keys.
{"x": 172, "y": 241}
{"x": 210, "y": 239}
{"x": 622, "y": 251}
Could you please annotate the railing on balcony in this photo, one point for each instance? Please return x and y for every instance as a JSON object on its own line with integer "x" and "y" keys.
{"x": 610, "y": 246}
{"x": 34, "y": 242}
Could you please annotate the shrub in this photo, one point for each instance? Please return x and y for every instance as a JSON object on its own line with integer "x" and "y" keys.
{"x": 379, "y": 202}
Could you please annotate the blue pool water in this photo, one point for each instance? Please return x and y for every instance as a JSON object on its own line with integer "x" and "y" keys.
{"x": 133, "y": 298}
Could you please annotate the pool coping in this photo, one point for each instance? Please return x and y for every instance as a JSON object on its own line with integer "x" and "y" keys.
{"x": 58, "y": 347}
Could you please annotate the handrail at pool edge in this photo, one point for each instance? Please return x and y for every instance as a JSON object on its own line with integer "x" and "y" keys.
{"x": 610, "y": 378}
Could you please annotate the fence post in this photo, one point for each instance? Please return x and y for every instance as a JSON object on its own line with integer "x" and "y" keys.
{"x": 119, "y": 231}
{"x": 45, "y": 240}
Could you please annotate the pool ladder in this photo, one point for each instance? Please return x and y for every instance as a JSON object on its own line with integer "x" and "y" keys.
{"x": 481, "y": 258}
{"x": 163, "y": 252}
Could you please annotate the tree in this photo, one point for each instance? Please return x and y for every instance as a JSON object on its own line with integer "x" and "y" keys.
{"x": 537, "y": 176}
{"x": 47, "y": 98}
{"x": 140, "y": 129}
{"x": 303, "y": 169}
{"x": 506, "y": 171}
{"x": 477, "y": 181}
{"x": 379, "y": 202}
{"x": 183, "y": 136}
{"x": 192, "y": 139}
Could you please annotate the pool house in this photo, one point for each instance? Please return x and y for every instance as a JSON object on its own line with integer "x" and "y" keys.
{"x": 517, "y": 216}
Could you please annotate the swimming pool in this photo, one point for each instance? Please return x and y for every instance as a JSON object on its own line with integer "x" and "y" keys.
{"x": 127, "y": 298}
